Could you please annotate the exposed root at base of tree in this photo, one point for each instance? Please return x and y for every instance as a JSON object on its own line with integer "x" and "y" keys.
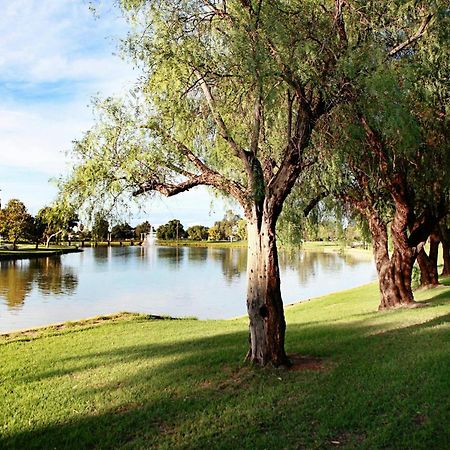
{"x": 402, "y": 305}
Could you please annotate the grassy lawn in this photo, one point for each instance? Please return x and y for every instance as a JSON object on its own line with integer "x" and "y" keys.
{"x": 382, "y": 381}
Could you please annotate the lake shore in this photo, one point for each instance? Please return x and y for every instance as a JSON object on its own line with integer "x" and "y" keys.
{"x": 30, "y": 253}
{"x": 362, "y": 379}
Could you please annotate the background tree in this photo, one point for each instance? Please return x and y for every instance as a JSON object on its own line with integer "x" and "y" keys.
{"x": 35, "y": 230}
{"x": 215, "y": 233}
{"x": 198, "y": 233}
{"x": 122, "y": 231}
{"x": 54, "y": 221}
{"x": 231, "y": 95}
{"x": 100, "y": 228}
{"x": 14, "y": 221}
{"x": 173, "y": 230}
{"x": 142, "y": 228}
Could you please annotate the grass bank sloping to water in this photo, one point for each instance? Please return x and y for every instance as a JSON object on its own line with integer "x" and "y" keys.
{"x": 382, "y": 381}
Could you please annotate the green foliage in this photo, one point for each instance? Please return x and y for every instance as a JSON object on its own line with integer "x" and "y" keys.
{"x": 143, "y": 228}
{"x": 55, "y": 220}
{"x": 215, "y": 233}
{"x": 230, "y": 228}
{"x": 173, "y": 230}
{"x": 100, "y": 228}
{"x": 197, "y": 233}
{"x": 122, "y": 231}
{"x": 14, "y": 221}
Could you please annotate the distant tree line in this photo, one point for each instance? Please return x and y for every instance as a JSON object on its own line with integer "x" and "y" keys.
{"x": 231, "y": 228}
{"x": 56, "y": 224}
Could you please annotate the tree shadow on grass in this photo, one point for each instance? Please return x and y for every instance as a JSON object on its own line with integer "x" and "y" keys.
{"x": 383, "y": 389}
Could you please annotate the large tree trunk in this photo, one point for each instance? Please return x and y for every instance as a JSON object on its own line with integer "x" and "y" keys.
{"x": 394, "y": 272}
{"x": 264, "y": 303}
{"x": 445, "y": 240}
{"x": 428, "y": 263}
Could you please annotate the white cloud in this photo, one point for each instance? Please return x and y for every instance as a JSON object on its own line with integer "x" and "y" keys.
{"x": 54, "y": 40}
{"x": 54, "y": 55}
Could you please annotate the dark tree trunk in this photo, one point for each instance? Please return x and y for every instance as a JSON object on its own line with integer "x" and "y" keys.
{"x": 264, "y": 303}
{"x": 445, "y": 240}
{"x": 394, "y": 272}
{"x": 428, "y": 263}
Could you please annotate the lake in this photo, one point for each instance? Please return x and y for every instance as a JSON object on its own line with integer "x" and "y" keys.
{"x": 203, "y": 282}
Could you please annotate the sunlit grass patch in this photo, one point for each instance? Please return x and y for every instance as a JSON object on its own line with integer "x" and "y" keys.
{"x": 135, "y": 382}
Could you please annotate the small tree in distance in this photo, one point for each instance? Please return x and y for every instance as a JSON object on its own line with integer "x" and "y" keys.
{"x": 14, "y": 221}
{"x": 197, "y": 233}
{"x": 173, "y": 230}
{"x": 142, "y": 228}
{"x": 122, "y": 231}
{"x": 100, "y": 228}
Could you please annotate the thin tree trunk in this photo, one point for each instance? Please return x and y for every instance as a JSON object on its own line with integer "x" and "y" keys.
{"x": 50, "y": 237}
{"x": 445, "y": 240}
{"x": 428, "y": 263}
{"x": 394, "y": 272}
{"x": 264, "y": 303}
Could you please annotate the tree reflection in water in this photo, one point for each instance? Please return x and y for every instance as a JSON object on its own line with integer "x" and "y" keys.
{"x": 16, "y": 282}
{"x": 172, "y": 256}
{"x": 233, "y": 261}
{"x": 308, "y": 263}
{"x": 17, "y": 279}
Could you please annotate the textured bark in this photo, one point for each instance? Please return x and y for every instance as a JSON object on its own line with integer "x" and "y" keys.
{"x": 264, "y": 304}
{"x": 394, "y": 272}
{"x": 445, "y": 240}
{"x": 428, "y": 263}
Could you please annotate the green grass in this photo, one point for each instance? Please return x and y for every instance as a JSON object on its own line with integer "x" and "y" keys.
{"x": 137, "y": 382}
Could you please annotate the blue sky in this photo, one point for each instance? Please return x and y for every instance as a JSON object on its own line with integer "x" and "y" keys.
{"x": 55, "y": 55}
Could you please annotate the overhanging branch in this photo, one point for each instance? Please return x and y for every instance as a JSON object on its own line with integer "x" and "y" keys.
{"x": 415, "y": 37}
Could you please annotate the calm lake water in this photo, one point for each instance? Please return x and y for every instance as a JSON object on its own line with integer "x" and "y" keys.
{"x": 208, "y": 283}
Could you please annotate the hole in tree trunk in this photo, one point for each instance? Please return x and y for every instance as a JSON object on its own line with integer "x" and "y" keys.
{"x": 263, "y": 311}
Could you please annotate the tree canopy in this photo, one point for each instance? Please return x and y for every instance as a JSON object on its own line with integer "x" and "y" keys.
{"x": 14, "y": 221}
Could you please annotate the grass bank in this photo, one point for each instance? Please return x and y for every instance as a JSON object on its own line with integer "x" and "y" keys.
{"x": 374, "y": 380}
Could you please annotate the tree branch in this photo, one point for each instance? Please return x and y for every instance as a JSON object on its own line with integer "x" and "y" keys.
{"x": 207, "y": 176}
{"x": 312, "y": 204}
{"x": 223, "y": 130}
{"x": 415, "y": 37}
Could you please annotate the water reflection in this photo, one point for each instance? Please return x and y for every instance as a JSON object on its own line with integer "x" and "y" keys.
{"x": 172, "y": 256}
{"x": 198, "y": 254}
{"x": 15, "y": 283}
{"x": 177, "y": 281}
{"x": 234, "y": 263}
{"x": 18, "y": 278}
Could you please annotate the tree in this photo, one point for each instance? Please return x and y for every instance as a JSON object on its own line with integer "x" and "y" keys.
{"x": 14, "y": 221}
{"x": 173, "y": 230}
{"x": 215, "y": 234}
{"x": 231, "y": 96}
{"x": 428, "y": 262}
{"x": 227, "y": 228}
{"x": 197, "y": 233}
{"x": 122, "y": 231}
{"x": 100, "y": 228}
{"x": 392, "y": 164}
{"x": 142, "y": 228}
{"x": 55, "y": 220}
